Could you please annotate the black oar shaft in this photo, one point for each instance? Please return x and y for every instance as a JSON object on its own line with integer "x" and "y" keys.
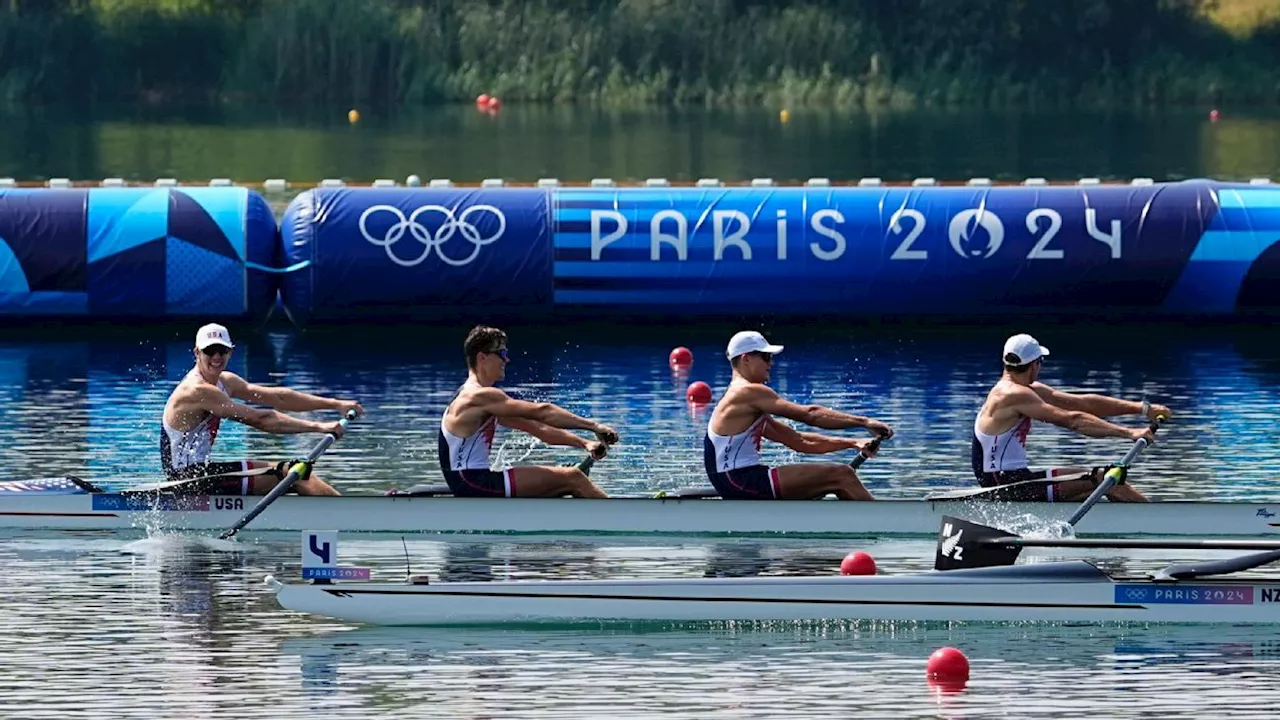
{"x": 864, "y": 456}
{"x": 1133, "y": 543}
{"x": 1226, "y": 566}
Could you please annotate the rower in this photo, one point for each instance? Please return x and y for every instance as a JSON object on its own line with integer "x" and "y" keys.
{"x": 469, "y": 421}
{"x": 195, "y": 409}
{"x": 731, "y": 448}
{"x": 999, "y": 447}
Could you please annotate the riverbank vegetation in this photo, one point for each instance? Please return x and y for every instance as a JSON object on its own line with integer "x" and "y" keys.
{"x": 386, "y": 53}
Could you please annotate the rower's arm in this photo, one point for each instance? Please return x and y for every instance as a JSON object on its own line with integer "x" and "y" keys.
{"x": 805, "y": 442}
{"x": 1030, "y": 404}
{"x": 765, "y": 400}
{"x": 497, "y": 403}
{"x": 1098, "y": 405}
{"x": 280, "y": 398}
{"x": 545, "y": 433}
{"x": 209, "y": 399}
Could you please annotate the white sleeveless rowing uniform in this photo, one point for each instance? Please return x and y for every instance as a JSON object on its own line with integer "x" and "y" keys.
{"x": 733, "y": 464}
{"x": 1006, "y": 451}
{"x": 1000, "y": 460}
{"x": 184, "y": 454}
{"x": 182, "y": 448}
{"x": 465, "y": 460}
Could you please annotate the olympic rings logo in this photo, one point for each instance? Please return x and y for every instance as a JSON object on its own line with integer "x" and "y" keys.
{"x": 429, "y": 240}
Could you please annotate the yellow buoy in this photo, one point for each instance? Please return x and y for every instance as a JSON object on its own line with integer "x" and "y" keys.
{"x": 353, "y": 116}
{"x": 784, "y": 115}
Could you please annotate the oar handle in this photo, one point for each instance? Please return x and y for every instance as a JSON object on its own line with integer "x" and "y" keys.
{"x": 1115, "y": 474}
{"x": 283, "y": 486}
{"x": 864, "y": 455}
{"x": 590, "y": 460}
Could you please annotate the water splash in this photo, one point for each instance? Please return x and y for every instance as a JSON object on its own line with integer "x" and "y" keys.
{"x": 180, "y": 543}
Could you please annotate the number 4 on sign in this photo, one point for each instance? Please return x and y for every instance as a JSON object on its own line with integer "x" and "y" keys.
{"x": 319, "y": 549}
{"x": 914, "y": 228}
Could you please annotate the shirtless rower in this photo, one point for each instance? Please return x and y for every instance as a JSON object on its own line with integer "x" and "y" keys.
{"x": 196, "y": 408}
{"x": 731, "y": 448}
{"x": 468, "y": 424}
{"x": 999, "y": 448}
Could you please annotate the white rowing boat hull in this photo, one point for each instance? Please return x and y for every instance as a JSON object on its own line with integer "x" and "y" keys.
{"x": 1072, "y": 591}
{"x": 106, "y": 511}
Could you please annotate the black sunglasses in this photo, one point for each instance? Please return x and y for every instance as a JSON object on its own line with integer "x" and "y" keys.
{"x": 216, "y": 350}
{"x": 767, "y": 357}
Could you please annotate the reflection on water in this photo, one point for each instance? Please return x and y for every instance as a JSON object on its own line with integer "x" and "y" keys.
{"x": 577, "y": 143}
{"x": 167, "y": 627}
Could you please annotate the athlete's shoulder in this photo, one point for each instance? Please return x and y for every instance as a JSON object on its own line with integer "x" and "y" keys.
{"x": 482, "y": 395}
{"x": 1011, "y": 393}
{"x": 750, "y": 389}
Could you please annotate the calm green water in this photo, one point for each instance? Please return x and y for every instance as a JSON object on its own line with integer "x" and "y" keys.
{"x": 577, "y": 144}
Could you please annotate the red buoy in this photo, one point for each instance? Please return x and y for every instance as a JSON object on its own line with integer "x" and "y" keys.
{"x": 698, "y": 393}
{"x": 680, "y": 357}
{"x": 948, "y": 665}
{"x": 858, "y": 563}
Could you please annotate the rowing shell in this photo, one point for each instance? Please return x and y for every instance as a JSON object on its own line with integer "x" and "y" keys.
{"x": 1068, "y": 591}
{"x": 65, "y": 506}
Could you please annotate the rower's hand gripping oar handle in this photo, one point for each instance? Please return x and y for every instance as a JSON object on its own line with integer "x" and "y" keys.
{"x": 590, "y": 460}
{"x": 295, "y": 472}
{"x": 864, "y": 455}
{"x": 1115, "y": 474}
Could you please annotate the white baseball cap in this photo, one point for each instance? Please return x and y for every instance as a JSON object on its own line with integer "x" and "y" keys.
{"x": 1022, "y": 349}
{"x": 750, "y": 341}
{"x": 213, "y": 334}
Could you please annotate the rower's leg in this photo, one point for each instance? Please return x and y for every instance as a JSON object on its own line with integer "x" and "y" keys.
{"x": 539, "y": 481}
{"x": 314, "y": 485}
{"x": 1075, "y": 488}
{"x": 1078, "y": 490}
{"x": 1072, "y": 490}
{"x": 1125, "y": 493}
{"x": 808, "y": 481}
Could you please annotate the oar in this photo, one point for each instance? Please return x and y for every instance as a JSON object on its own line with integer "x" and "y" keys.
{"x": 294, "y": 472}
{"x": 590, "y": 460}
{"x": 864, "y": 455}
{"x": 1226, "y": 566}
{"x": 1114, "y": 475}
{"x": 192, "y": 482}
{"x": 964, "y": 544}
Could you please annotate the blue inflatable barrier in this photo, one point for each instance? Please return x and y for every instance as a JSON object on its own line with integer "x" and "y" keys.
{"x": 136, "y": 253}
{"x": 391, "y": 254}
{"x": 401, "y": 253}
{"x": 1191, "y": 247}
